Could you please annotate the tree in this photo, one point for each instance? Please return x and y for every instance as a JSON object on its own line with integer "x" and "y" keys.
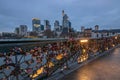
{"x": 35, "y": 34}
{"x": 49, "y": 33}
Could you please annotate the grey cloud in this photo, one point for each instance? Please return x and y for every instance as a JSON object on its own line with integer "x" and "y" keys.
{"x": 81, "y": 12}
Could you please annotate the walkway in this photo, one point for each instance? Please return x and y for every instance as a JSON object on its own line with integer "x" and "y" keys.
{"x": 104, "y": 68}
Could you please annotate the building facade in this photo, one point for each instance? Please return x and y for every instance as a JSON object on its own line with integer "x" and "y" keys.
{"x": 65, "y": 21}
{"x": 96, "y": 27}
{"x": 36, "y": 25}
{"x": 42, "y": 28}
{"x": 82, "y": 28}
{"x": 47, "y": 25}
{"x": 23, "y": 30}
{"x": 105, "y": 33}
{"x": 56, "y": 25}
{"x": 17, "y": 31}
{"x": 88, "y": 32}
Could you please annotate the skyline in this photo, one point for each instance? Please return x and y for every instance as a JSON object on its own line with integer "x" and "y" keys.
{"x": 104, "y": 13}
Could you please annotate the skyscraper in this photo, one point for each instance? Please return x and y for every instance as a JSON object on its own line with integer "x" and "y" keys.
{"x": 36, "y": 25}
{"x": 17, "y": 30}
{"x": 70, "y": 24}
{"x": 56, "y": 25}
{"x": 42, "y": 27}
{"x": 65, "y": 22}
{"x": 47, "y": 24}
{"x": 23, "y": 30}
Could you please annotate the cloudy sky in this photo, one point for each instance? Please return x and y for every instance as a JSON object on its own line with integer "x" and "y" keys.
{"x": 88, "y": 13}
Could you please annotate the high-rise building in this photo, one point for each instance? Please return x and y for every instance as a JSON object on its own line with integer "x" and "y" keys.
{"x": 0, "y": 34}
{"x": 65, "y": 21}
{"x": 66, "y": 24}
{"x": 23, "y": 30}
{"x": 56, "y": 25}
{"x": 47, "y": 24}
{"x": 96, "y": 27}
{"x": 42, "y": 27}
{"x": 70, "y": 24}
{"x": 36, "y": 25}
{"x": 82, "y": 28}
{"x": 17, "y": 31}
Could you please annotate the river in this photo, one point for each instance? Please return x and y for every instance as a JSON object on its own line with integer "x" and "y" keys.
{"x": 103, "y": 68}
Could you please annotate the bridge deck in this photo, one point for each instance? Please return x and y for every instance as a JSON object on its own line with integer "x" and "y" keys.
{"x": 104, "y": 68}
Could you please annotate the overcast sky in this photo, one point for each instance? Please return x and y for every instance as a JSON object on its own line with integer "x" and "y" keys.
{"x": 88, "y": 13}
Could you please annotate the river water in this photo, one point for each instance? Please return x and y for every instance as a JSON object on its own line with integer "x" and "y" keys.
{"x": 103, "y": 68}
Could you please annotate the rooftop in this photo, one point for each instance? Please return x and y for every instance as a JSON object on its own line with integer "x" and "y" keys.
{"x": 111, "y": 30}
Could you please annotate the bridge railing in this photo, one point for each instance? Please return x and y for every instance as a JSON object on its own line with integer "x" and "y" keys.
{"x": 52, "y": 59}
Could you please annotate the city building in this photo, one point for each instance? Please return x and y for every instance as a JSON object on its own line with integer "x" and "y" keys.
{"x": 8, "y": 35}
{"x": 82, "y": 28}
{"x": 85, "y": 32}
{"x": 17, "y": 31}
{"x": 70, "y": 24}
{"x": 36, "y": 25}
{"x": 65, "y": 32}
{"x": 0, "y": 34}
{"x": 32, "y": 34}
{"x": 96, "y": 33}
{"x": 65, "y": 21}
{"x": 96, "y": 27}
{"x": 66, "y": 25}
{"x": 56, "y": 25}
{"x": 60, "y": 27}
{"x": 42, "y": 28}
{"x": 105, "y": 33}
{"x": 23, "y": 30}
{"x": 47, "y": 25}
{"x": 88, "y": 32}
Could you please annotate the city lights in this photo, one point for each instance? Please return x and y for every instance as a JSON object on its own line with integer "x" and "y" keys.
{"x": 59, "y": 57}
{"x": 84, "y": 50}
{"x": 84, "y": 41}
{"x": 38, "y": 72}
{"x": 115, "y": 37}
{"x": 113, "y": 45}
{"x": 36, "y": 25}
{"x": 35, "y": 19}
